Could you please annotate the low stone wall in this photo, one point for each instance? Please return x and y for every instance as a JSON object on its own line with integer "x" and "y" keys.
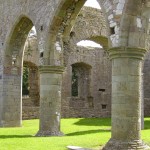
{"x": 146, "y": 107}
{"x": 29, "y": 109}
{"x": 30, "y": 112}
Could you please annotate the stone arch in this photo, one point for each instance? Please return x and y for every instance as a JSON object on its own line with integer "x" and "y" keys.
{"x": 16, "y": 21}
{"x": 90, "y": 27}
{"x": 86, "y": 65}
{"x": 17, "y": 38}
{"x": 31, "y": 52}
{"x": 30, "y": 101}
{"x": 133, "y": 25}
{"x": 103, "y": 41}
{"x": 127, "y": 40}
{"x": 12, "y": 73}
{"x": 61, "y": 27}
{"x": 56, "y": 43}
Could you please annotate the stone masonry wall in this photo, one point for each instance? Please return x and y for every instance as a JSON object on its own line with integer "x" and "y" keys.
{"x": 99, "y": 103}
{"x": 89, "y": 23}
{"x": 92, "y": 105}
{"x": 146, "y": 84}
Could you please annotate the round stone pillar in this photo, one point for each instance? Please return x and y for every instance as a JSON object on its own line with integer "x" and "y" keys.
{"x": 11, "y": 98}
{"x": 50, "y": 100}
{"x": 126, "y": 99}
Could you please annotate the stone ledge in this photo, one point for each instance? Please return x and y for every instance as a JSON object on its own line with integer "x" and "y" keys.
{"x": 48, "y": 133}
{"x": 127, "y": 52}
{"x": 51, "y": 69}
{"x": 122, "y": 145}
{"x": 76, "y": 148}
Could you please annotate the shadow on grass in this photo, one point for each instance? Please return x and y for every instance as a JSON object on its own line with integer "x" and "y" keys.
{"x": 147, "y": 124}
{"x": 87, "y": 132}
{"x": 15, "y": 136}
{"x": 94, "y": 122}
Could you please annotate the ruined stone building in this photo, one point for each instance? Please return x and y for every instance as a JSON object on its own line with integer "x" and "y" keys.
{"x": 91, "y": 96}
{"x": 91, "y": 63}
{"x": 88, "y": 87}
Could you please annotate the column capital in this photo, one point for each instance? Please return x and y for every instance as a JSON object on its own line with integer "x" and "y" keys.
{"x": 51, "y": 69}
{"x": 127, "y": 52}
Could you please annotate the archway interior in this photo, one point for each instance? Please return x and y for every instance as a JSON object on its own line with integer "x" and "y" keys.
{"x": 30, "y": 64}
{"x": 17, "y": 42}
{"x": 88, "y": 90}
{"x": 13, "y": 67}
{"x": 30, "y": 82}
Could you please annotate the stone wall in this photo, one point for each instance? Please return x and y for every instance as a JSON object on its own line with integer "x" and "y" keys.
{"x": 89, "y": 23}
{"x": 98, "y": 103}
{"x": 29, "y": 109}
{"x": 146, "y": 84}
{"x": 86, "y": 27}
{"x": 128, "y": 28}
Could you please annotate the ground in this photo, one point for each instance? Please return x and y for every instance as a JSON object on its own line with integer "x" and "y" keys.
{"x": 90, "y": 133}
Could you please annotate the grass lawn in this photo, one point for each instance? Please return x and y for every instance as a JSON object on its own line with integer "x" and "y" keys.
{"x": 89, "y": 133}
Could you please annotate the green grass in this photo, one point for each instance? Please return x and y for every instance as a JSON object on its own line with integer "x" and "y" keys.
{"x": 90, "y": 133}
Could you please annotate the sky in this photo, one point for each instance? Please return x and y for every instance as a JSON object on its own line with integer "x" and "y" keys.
{"x": 92, "y": 3}
{"x": 88, "y": 43}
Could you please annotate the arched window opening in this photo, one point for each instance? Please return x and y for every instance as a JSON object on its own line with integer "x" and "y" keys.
{"x": 30, "y": 79}
{"x": 32, "y": 32}
{"x": 13, "y": 67}
{"x": 92, "y": 3}
{"x": 81, "y": 78}
{"x": 88, "y": 43}
{"x": 28, "y": 67}
{"x": 74, "y": 82}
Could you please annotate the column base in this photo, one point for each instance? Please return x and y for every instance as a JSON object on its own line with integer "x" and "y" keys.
{"x": 11, "y": 124}
{"x": 120, "y": 145}
{"x": 48, "y": 133}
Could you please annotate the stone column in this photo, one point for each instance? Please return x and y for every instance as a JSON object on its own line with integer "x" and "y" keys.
{"x": 126, "y": 99}
{"x": 50, "y": 100}
{"x": 11, "y": 100}
{"x": 34, "y": 85}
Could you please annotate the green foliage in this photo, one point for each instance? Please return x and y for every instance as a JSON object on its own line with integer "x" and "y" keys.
{"x": 25, "y": 83}
{"x": 89, "y": 133}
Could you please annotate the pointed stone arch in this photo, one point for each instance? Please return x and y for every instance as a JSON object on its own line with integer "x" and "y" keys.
{"x": 11, "y": 110}
{"x": 56, "y": 43}
{"x": 61, "y": 27}
{"x": 126, "y": 54}
{"x": 17, "y": 38}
